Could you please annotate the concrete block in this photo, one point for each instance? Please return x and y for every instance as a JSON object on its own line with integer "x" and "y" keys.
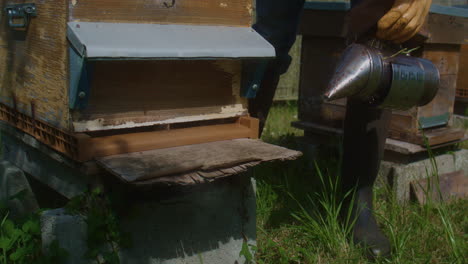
{"x": 208, "y": 225}
{"x": 70, "y": 231}
{"x": 55, "y": 173}
{"x": 460, "y": 121}
{"x": 12, "y": 182}
{"x": 401, "y": 175}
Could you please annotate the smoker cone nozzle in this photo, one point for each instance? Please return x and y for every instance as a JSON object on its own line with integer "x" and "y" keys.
{"x": 353, "y": 73}
{"x": 394, "y": 82}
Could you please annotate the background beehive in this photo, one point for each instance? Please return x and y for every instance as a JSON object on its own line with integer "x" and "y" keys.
{"x": 322, "y": 47}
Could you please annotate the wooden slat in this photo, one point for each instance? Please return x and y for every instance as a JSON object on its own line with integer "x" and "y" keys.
{"x": 213, "y": 12}
{"x": 90, "y": 148}
{"x": 208, "y": 160}
{"x": 434, "y": 136}
{"x": 33, "y": 64}
{"x": 444, "y": 56}
{"x": 405, "y": 121}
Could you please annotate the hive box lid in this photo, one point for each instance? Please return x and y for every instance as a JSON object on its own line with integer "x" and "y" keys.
{"x": 152, "y": 41}
{"x": 193, "y": 164}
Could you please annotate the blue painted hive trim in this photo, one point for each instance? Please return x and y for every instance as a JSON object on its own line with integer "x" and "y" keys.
{"x": 123, "y": 41}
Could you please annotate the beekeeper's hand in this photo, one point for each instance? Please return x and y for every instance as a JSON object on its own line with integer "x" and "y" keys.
{"x": 404, "y": 20}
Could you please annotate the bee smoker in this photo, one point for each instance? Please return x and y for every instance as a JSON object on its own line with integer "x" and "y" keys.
{"x": 384, "y": 80}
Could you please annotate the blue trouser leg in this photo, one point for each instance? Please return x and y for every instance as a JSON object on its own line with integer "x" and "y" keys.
{"x": 277, "y": 22}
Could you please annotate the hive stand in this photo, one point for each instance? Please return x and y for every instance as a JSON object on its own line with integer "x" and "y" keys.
{"x": 185, "y": 213}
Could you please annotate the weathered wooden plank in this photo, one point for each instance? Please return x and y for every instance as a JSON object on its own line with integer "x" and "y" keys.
{"x": 33, "y": 64}
{"x": 209, "y": 160}
{"x": 443, "y": 27}
{"x": 444, "y": 56}
{"x": 447, "y": 29}
{"x": 434, "y": 136}
{"x": 443, "y": 103}
{"x": 213, "y": 12}
{"x": 92, "y": 147}
{"x": 128, "y": 94}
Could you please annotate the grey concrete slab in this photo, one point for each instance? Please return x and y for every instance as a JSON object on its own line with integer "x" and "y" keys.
{"x": 59, "y": 176}
{"x": 209, "y": 225}
{"x": 401, "y": 175}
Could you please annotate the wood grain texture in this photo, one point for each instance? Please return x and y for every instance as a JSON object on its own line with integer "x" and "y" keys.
{"x": 128, "y": 94}
{"x": 92, "y": 147}
{"x": 447, "y": 29}
{"x": 212, "y": 12}
{"x": 446, "y": 58}
{"x": 33, "y": 64}
{"x": 325, "y": 23}
{"x": 434, "y": 137}
{"x": 210, "y": 160}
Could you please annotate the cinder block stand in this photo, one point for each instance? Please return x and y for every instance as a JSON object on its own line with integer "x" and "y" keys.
{"x": 207, "y": 223}
{"x": 401, "y": 175}
{"x": 403, "y": 162}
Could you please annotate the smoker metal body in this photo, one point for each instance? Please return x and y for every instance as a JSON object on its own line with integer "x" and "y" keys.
{"x": 382, "y": 79}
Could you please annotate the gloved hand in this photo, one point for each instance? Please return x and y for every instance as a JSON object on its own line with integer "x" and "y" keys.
{"x": 404, "y": 20}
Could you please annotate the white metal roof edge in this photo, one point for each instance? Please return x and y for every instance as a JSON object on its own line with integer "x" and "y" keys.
{"x": 143, "y": 41}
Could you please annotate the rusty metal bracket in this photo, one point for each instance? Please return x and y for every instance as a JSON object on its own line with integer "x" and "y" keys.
{"x": 20, "y": 11}
{"x": 253, "y": 72}
{"x": 80, "y": 80}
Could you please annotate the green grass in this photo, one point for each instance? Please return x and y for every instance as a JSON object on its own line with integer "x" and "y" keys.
{"x": 298, "y": 206}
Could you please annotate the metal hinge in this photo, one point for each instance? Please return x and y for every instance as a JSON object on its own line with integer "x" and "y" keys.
{"x": 24, "y": 12}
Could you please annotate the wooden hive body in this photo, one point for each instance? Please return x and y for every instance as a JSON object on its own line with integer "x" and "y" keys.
{"x": 145, "y": 94}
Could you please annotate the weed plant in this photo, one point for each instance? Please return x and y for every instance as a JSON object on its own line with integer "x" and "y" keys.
{"x": 299, "y": 204}
{"x": 20, "y": 240}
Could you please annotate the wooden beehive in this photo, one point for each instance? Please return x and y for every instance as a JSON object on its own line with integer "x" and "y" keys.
{"x": 94, "y": 78}
{"x": 322, "y": 47}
